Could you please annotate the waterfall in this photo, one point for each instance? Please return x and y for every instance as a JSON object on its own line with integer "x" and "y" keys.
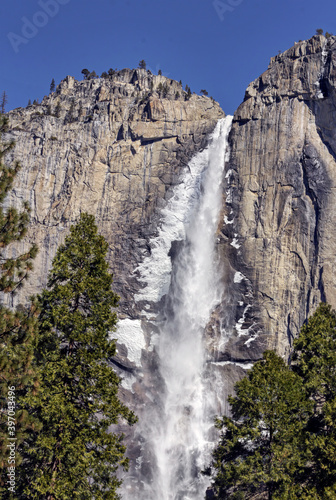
{"x": 183, "y": 267}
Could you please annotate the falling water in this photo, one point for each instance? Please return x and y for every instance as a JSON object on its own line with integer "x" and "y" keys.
{"x": 182, "y": 270}
{"x": 181, "y": 442}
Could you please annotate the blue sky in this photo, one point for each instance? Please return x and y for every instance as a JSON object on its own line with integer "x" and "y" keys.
{"x": 218, "y": 50}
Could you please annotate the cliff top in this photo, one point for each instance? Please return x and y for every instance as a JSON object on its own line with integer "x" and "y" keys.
{"x": 137, "y": 86}
{"x": 306, "y": 71}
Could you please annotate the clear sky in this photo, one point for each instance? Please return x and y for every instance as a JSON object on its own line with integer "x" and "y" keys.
{"x": 217, "y": 45}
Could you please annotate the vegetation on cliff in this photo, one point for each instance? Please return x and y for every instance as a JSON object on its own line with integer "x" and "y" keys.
{"x": 280, "y": 442}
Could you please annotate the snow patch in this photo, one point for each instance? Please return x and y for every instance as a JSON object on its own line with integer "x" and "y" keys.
{"x": 148, "y": 315}
{"x": 245, "y": 366}
{"x": 251, "y": 339}
{"x": 129, "y": 333}
{"x": 242, "y": 331}
{"x": 235, "y": 242}
{"x": 229, "y": 196}
{"x": 319, "y": 93}
{"x": 127, "y": 381}
{"x": 238, "y": 277}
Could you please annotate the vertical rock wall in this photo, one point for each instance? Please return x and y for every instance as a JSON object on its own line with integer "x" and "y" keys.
{"x": 280, "y": 198}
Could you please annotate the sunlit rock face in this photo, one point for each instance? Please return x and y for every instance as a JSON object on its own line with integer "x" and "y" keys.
{"x": 114, "y": 149}
{"x": 280, "y": 194}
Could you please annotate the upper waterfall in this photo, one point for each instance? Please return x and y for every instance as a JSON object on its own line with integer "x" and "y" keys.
{"x": 181, "y": 426}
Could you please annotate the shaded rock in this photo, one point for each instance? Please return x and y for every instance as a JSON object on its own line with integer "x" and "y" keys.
{"x": 280, "y": 192}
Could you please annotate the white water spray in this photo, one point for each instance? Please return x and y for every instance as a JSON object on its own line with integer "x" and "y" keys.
{"x": 180, "y": 436}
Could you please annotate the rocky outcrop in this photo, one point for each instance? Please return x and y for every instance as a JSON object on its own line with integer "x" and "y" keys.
{"x": 280, "y": 197}
{"x": 112, "y": 147}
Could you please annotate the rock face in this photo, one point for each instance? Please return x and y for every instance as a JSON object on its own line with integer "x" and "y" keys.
{"x": 112, "y": 147}
{"x": 280, "y": 199}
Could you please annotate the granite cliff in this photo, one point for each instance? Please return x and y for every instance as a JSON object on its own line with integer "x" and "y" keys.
{"x": 112, "y": 147}
{"x": 118, "y": 148}
{"x": 280, "y": 195}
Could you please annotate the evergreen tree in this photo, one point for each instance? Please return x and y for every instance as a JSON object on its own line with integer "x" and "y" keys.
{"x": 4, "y": 101}
{"x": 58, "y": 110}
{"x": 165, "y": 89}
{"x": 85, "y": 73}
{"x": 260, "y": 446}
{"x": 52, "y": 85}
{"x": 142, "y": 64}
{"x": 70, "y": 116}
{"x": 74, "y": 455}
{"x": 18, "y": 331}
{"x": 314, "y": 359}
{"x": 17, "y": 328}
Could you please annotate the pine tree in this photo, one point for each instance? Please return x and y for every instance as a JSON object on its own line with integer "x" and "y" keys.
{"x": 52, "y": 86}
{"x": 17, "y": 328}
{"x": 70, "y": 116}
{"x": 74, "y": 455}
{"x": 260, "y": 446}
{"x": 85, "y": 72}
{"x": 4, "y": 101}
{"x": 58, "y": 109}
{"x": 314, "y": 359}
{"x": 142, "y": 64}
{"x": 18, "y": 331}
